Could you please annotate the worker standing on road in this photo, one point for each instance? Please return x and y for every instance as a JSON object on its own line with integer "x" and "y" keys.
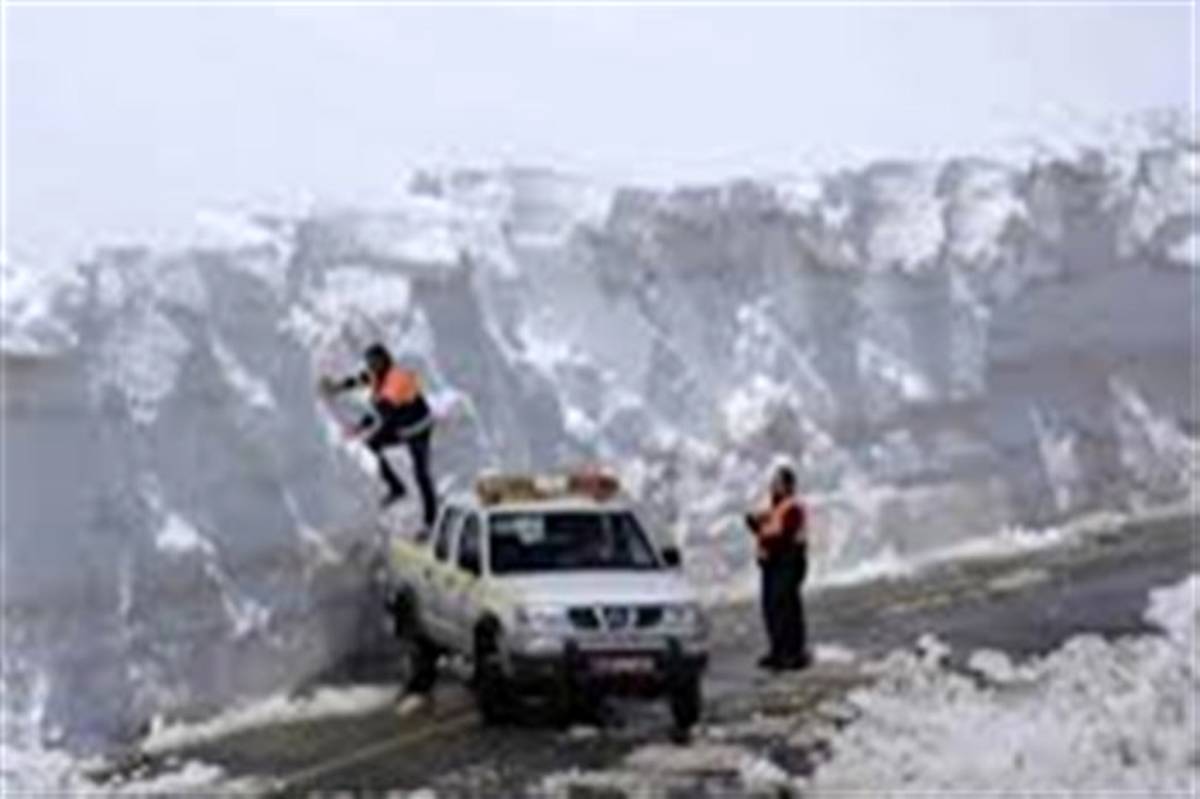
{"x": 779, "y": 533}
{"x": 402, "y": 416}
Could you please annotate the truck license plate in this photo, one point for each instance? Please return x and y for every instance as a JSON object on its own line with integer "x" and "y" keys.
{"x": 623, "y": 665}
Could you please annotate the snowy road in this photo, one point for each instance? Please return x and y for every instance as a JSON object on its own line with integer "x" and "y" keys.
{"x": 1021, "y": 604}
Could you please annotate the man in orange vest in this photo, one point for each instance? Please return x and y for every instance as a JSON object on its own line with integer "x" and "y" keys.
{"x": 779, "y": 534}
{"x": 402, "y": 416}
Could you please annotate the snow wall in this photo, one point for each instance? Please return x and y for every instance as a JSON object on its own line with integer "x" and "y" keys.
{"x": 943, "y": 349}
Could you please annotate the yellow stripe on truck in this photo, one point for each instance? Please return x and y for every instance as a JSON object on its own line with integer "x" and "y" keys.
{"x": 405, "y": 553}
{"x": 487, "y": 593}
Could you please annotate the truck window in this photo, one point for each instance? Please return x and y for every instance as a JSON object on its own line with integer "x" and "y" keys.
{"x": 469, "y": 556}
{"x": 568, "y": 541}
{"x": 441, "y": 545}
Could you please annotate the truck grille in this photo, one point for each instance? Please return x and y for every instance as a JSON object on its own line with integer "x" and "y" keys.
{"x": 615, "y": 617}
{"x": 584, "y": 618}
{"x": 649, "y": 615}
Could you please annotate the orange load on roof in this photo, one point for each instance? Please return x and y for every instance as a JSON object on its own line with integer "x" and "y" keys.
{"x": 595, "y": 484}
{"x": 590, "y": 483}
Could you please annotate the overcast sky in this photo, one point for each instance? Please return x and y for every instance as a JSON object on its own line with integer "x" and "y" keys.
{"x": 123, "y": 123}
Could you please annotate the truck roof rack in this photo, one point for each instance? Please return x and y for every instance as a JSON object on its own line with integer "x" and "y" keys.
{"x": 496, "y": 489}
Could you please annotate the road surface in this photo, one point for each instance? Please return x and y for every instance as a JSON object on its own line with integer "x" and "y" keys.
{"x": 1023, "y": 604}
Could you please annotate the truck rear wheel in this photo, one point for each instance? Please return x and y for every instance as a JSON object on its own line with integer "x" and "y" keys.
{"x": 418, "y": 655}
{"x": 492, "y": 691}
{"x": 420, "y": 664}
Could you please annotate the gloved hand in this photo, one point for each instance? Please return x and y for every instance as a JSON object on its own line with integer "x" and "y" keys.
{"x": 327, "y": 385}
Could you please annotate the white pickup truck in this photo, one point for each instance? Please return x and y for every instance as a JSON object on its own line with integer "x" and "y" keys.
{"x": 551, "y": 589}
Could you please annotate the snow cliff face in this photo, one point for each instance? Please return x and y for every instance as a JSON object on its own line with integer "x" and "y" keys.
{"x": 942, "y": 349}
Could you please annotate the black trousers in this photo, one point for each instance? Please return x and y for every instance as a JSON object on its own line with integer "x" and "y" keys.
{"x": 782, "y": 606}
{"x": 418, "y": 450}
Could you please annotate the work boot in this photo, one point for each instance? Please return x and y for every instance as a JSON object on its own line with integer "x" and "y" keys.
{"x": 795, "y": 663}
{"x": 769, "y": 662}
{"x": 394, "y": 494}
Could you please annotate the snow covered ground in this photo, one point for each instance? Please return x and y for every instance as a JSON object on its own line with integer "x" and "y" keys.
{"x": 946, "y": 350}
{"x": 30, "y": 768}
{"x": 56, "y": 773}
{"x": 1094, "y": 717}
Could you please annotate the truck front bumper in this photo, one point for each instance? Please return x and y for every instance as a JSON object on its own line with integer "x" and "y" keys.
{"x": 636, "y": 672}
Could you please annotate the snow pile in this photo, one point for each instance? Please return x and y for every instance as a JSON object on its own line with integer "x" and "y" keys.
{"x": 700, "y": 769}
{"x": 33, "y": 763}
{"x": 1094, "y": 716}
{"x": 1176, "y": 611}
{"x": 325, "y": 702}
{"x": 945, "y": 350}
{"x": 56, "y": 773}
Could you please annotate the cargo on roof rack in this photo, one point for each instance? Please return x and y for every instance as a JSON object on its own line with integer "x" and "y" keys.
{"x": 500, "y": 488}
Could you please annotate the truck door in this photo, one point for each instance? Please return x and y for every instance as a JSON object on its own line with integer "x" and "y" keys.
{"x": 435, "y": 576}
{"x": 462, "y": 598}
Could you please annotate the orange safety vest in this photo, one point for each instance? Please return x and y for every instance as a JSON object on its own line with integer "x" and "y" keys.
{"x": 398, "y": 386}
{"x": 772, "y": 526}
{"x": 773, "y": 523}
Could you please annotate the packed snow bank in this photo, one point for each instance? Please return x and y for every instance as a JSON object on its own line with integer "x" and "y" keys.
{"x": 1007, "y": 542}
{"x": 1094, "y": 716}
{"x": 31, "y": 311}
{"x": 945, "y": 350}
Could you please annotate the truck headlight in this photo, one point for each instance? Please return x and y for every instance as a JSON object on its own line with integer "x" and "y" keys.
{"x": 686, "y": 616}
{"x": 543, "y": 618}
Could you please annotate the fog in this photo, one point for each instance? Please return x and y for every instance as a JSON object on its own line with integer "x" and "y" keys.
{"x": 123, "y": 123}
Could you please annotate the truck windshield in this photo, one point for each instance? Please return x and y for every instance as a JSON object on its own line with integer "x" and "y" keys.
{"x": 538, "y": 542}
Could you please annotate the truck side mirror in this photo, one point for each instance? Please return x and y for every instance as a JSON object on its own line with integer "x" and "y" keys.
{"x": 672, "y": 557}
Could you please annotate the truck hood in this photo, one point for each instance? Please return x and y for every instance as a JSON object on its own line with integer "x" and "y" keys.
{"x": 600, "y": 588}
